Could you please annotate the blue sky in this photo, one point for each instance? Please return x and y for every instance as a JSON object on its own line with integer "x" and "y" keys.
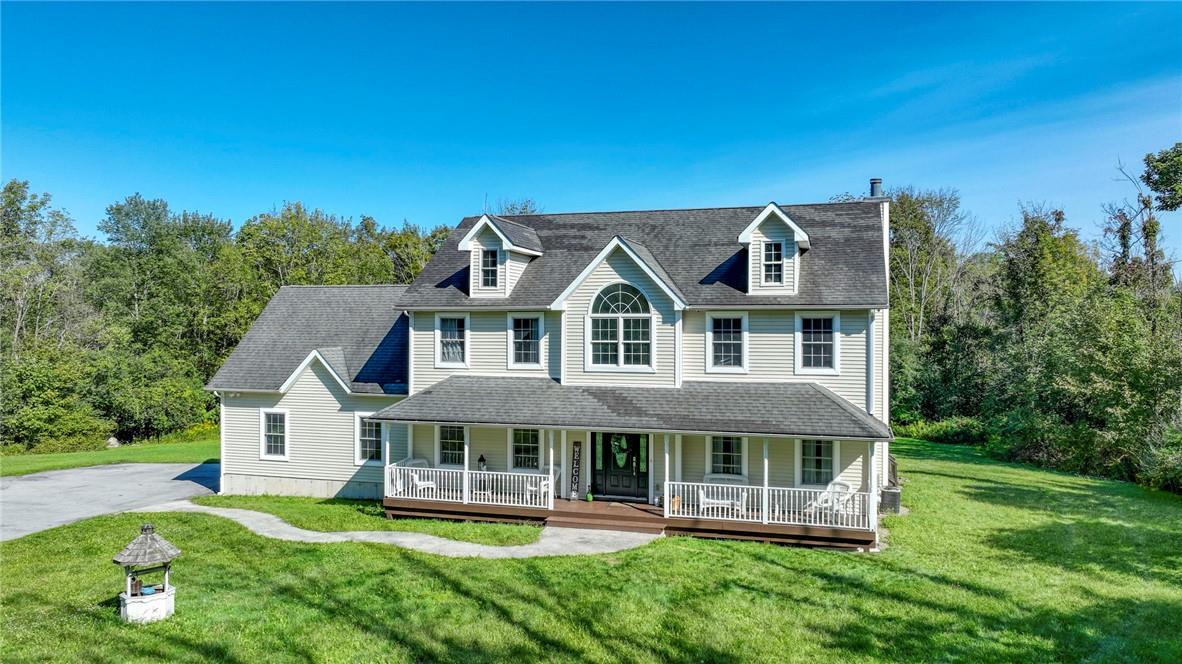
{"x": 422, "y": 112}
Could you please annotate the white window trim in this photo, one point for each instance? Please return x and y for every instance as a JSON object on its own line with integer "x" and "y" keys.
{"x": 383, "y": 438}
{"x": 590, "y": 367}
{"x": 710, "y": 368}
{"x": 763, "y": 264}
{"x": 263, "y": 456}
{"x": 743, "y": 458}
{"x": 479, "y": 285}
{"x": 438, "y": 457}
{"x": 509, "y": 450}
{"x": 541, "y": 363}
{"x": 798, "y": 359}
{"x": 799, "y": 456}
{"x": 439, "y": 363}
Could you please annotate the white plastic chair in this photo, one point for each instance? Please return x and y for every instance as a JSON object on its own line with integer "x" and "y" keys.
{"x": 420, "y": 485}
{"x": 835, "y": 499}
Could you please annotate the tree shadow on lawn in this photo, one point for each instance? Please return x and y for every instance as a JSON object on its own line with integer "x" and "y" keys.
{"x": 899, "y": 613}
{"x": 526, "y": 615}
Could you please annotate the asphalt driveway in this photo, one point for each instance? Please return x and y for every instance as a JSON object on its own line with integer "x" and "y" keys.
{"x": 30, "y": 503}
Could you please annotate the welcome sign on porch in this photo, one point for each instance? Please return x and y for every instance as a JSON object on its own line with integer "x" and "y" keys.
{"x": 575, "y": 461}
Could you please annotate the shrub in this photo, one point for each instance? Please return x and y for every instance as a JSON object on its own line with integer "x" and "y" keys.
{"x": 954, "y": 430}
{"x": 1163, "y": 468}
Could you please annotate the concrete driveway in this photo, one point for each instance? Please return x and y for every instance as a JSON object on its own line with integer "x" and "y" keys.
{"x": 29, "y": 503}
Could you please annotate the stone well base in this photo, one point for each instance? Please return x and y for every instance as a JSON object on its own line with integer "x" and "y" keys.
{"x": 147, "y": 608}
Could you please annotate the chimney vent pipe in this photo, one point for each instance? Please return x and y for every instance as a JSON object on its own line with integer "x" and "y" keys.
{"x": 875, "y": 187}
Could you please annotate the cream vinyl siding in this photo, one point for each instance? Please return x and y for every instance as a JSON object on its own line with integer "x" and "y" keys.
{"x": 320, "y": 430}
{"x": 769, "y": 335}
{"x": 514, "y": 265}
{"x": 488, "y": 347}
{"x": 552, "y": 344}
{"x": 620, "y": 268}
{"x": 693, "y": 460}
{"x": 850, "y": 467}
{"x": 487, "y": 240}
{"x": 772, "y": 347}
{"x": 772, "y": 230}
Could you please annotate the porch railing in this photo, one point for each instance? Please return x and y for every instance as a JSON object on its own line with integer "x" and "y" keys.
{"x": 773, "y": 505}
{"x": 484, "y": 487}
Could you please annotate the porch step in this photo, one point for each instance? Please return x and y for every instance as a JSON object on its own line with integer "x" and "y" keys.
{"x": 605, "y": 524}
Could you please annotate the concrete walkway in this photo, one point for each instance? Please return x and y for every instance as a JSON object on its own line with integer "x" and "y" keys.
{"x": 39, "y": 501}
{"x": 551, "y": 542}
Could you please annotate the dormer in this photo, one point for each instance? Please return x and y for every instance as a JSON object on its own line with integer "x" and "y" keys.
{"x": 774, "y": 247}
{"x": 499, "y": 250}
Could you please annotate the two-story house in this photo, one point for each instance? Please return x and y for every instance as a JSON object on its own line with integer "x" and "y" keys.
{"x": 720, "y": 372}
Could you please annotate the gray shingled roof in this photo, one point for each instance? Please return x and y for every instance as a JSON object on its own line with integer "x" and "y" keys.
{"x": 519, "y": 234}
{"x": 699, "y": 249}
{"x": 146, "y": 549}
{"x": 779, "y": 409}
{"x": 359, "y": 331}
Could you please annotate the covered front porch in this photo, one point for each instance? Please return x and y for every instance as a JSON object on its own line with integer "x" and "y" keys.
{"x": 677, "y": 482}
{"x": 796, "y": 457}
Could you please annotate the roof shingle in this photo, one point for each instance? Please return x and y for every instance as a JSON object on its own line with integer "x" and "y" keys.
{"x": 698, "y": 249}
{"x": 770, "y": 409}
{"x": 358, "y": 330}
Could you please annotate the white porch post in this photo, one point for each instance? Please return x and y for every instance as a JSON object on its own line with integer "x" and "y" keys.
{"x": 550, "y": 499}
{"x": 466, "y": 446}
{"x": 873, "y": 508}
{"x": 665, "y": 480}
{"x": 565, "y": 468}
{"x": 767, "y": 501}
{"x": 677, "y": 456}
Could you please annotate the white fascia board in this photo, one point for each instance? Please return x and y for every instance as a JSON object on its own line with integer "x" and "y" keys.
{"x": 314, "y": 355}
{"x": 559, "y": 303}
{"x": 802, "y": 238}
{"x": 485, "y": 222}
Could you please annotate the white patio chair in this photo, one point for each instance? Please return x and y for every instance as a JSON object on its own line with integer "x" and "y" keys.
{"x": 418, "y": 485}
{"x": 834, "y": 500}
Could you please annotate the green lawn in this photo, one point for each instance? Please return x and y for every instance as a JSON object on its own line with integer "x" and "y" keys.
{"x": 197, "y": 451}
{"x": 339, "y": 514}
{"x": 996, "y": 562}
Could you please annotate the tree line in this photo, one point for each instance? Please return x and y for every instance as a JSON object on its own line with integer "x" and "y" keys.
{"x": 118, "y": 337}
{"x": 1040, "y": 346}
{"x": 1043, "y": 347}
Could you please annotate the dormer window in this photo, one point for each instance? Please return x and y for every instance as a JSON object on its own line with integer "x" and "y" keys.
{"x": 488, "y": 268}
{"x": 773, "y": 263}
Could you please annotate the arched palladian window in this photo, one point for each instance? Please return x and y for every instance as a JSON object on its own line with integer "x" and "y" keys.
{"x": 621, "y": 328}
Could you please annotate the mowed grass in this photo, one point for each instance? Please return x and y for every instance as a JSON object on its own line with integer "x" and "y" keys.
{"x": 340, "y": 514}
{"x": 205, "y": 450}
{"x": 996, "y": 562}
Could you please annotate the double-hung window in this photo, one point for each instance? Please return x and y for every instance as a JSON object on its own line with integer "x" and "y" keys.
{"x": 817, "y": 346}
{"x": 726, "y": 342}
{"x": 621, "y": 328}
{"x": 816, "y": 462}
{"x": 525, "y": 348}
{"x": 773, "y": 262}
{"x": 726, "y": 455}
{"x": 273, "y": 434}
{"x": 489, "y": 258}
{"x": 453, "y": 341}
{"x": 451, "y": 445}
{"x": 369, "y": 440}
{"x": 527, "y": 446}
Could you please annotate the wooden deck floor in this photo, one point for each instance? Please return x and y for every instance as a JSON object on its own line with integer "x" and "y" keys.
{"x": 637, "y": 517}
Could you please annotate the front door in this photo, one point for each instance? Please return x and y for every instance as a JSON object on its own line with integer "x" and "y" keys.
{"x": 621, "y": 465}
